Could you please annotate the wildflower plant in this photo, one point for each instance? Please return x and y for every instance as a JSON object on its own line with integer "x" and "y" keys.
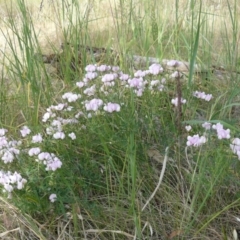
{"x": 91, "y": 141}
{"x": 101, "y": 93}
{"x": 94, "y": 104}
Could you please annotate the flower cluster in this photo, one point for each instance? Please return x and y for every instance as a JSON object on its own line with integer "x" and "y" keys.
{"x": 11, "y": 181}
{"x": 53, "y": 197}
{"x": 91, "y": 98}
{"x": 112, "y": 107}
{"x": 207, "y": 125}
{"x": 157, "y": 85}
{"x": 202, "y": 95}
{"x": 235, "y": 146}
{"x": 221, "y": 132}
{"x": 196, "y": 140}
{"x": 175, "y": 101}
{"x": 8, "y": 149}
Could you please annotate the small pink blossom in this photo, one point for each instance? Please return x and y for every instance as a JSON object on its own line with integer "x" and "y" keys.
{"x": 3, "y": 142}
{"x": 235, "y": 147}
{"x": 59, "y": 135}
{"x": 46, "y": 116}
{"x": 25, "y": 131}
{"x": 202, "y": 95}
{"x": 175, "y": 101}
{"x": 112, "y": 107}
{"x": 103, "y": 68}
{"x": 207, "y": 125}
{"x": 34, "y": 151}
{"x": 93, "y": 104}
{"x": 221, "y": 132}
{"x": 71, "y": 97}
{"x": 140, "y": 73}
{"x": 157, "y": 85}
{"x": 124, "y": 77}
{"x": 90, "y": 76}
{"x": 72, "y": 135}
{"x": 90, "y": 91}
{"x": 196, "y": 140}
{"x": 90, "y": 68}
{"x": 59, "y": 107}
{"x": 37, "y": 138}
{"x": 7, "y": 157}
{"x": 44, "y": 155}
{"x": 53, "y": 164}
{"x": 11, "y": 180}
{"x": 3, "y": 131}
{"x": 108, "y": 77}
{"x": 53, "y": 197}
{"x": 188, "y": 128}
{"x": 155, "y": 69}
{"x": 139, "y": 92}
{"x": 136, "y": 83}
{"x": 115, "y": 68}
{"x": 154, "y": 83}
{"x": 172, "y": 63}
{"x": 80, "y": 84}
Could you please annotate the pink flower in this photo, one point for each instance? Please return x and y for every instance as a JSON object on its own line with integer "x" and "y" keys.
{"x": 202, "y": 95}
{"x": 124, "y": 77}
{"x": 72, "y": 135}
{"x": 175, "y": 101}
{"x": 3, "y": 142}
{"x": 136, "y": 83}
{"x": 140, "y": 73}
{"x": 46, "y": 116}
{"x": 7, "y": 157}
{"x": 172, "y": 63}
{"x": 53, "y": 164}
{"x": 108, "y": 77}
{"x": 71, "y": 97}
{"x": 90, "y": 68}
{"x": 3, "y": 131}
{"x": 221, "y": 132}
{"x": 90, "y": 76}
{"x": 90, "y": 91}
{"x": 139, "y": 92}
{"x": 44, "y": 156}
{"x": 112, "y": 107}
{"x": 155, "y": 69}
{"x": 53, "y": 197}
{"x": 80, "y": 84}
{"x": 59, "y": 135}
{"x": 235, "y": 146}
{"x": 59, "y": 107}
{"x": 103, "y": 68}
{"x": 93, "y": 105}
{"x": 34, "y": 151}
{"x": 37, "y": 138}
{"x": 25, "y": 131}
{"x": 157, "y": 85}
{"x": 188, "y": 128}
{"x": 196, "y": 140}
{"x": 207, "y": 125}
{"x": 115, "y": 68}
{"x": 154, "y": 83}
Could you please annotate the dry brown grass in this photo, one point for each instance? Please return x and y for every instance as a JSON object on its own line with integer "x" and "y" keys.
{"x": 102, "y": 18}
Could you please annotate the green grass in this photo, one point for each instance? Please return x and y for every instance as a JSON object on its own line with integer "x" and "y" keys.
{"x": 128, "y": 174}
